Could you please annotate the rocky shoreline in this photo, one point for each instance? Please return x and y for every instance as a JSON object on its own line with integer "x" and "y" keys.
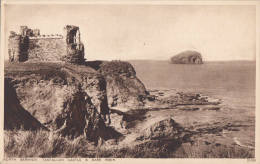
{"x": 105, "y": 103}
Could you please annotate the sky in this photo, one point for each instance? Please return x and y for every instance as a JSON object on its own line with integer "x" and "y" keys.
{"x": 154, "y": 32}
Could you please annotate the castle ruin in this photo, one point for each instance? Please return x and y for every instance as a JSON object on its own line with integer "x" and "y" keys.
{"x": 30, "y": 45}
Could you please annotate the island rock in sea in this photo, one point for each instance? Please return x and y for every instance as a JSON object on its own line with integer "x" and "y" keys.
{"x": 187, "y": 57}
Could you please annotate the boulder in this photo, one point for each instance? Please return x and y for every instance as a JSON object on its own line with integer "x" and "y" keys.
{"x": 187, "y": 57}
{"x": 123, "y": 88}
{"x": 164, "y": 129}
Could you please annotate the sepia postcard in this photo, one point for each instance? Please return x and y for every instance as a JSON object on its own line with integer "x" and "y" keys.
{"x": 129, "y": 81}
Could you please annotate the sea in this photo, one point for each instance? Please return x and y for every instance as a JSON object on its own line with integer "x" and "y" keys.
{"x": 234, "y": 82}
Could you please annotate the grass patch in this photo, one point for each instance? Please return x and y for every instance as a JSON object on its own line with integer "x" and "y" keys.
{"x": 117, "y": 67}
{"x": 46, "y": 144}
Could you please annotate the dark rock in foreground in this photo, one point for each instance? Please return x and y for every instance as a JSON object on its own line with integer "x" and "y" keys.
{"x": 15, "y": 116}
{"x": 187, "y": 57}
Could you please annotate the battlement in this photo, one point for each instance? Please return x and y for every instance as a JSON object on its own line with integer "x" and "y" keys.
{"x": 30, "y": 45}
{"x": 52, "y": 36}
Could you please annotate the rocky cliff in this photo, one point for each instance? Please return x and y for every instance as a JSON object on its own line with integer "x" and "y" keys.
{"x": 187, "y": 57}
{"x": 70, "y": 99}
{"x": 67, "y": 99}
{"x": 124, "y": 89}
{"x": 15, "y": 116}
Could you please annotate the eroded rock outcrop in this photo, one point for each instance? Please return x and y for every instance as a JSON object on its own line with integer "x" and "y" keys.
{"x": 164, "y": 129}
{"x": 15, "y": 116}
{"x": 187, "y": 57}
{"x": 67, "y": 99}
{"x": 124, "y": 89}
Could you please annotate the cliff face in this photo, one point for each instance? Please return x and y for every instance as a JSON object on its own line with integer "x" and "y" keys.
{"x": 124, "y": 89}
{"x": 71, "y": 100}
{"x": 187, "y": 57}
{"x": 15, "y": 116}
{"x": 67, "y": 99}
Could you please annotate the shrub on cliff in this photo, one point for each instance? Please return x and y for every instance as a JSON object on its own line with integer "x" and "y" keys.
{"x": 117, "y": 67}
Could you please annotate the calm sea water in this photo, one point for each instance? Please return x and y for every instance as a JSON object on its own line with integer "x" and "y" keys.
{"x": 234, "y": 81}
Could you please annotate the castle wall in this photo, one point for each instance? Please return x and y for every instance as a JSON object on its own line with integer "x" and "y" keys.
{"x": 29, "y": 45}
{"x": 46, "y": 49}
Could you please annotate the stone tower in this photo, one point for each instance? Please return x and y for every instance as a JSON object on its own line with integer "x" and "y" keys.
{"x": 18, "y": 46}
{"x": 75, "y": 49}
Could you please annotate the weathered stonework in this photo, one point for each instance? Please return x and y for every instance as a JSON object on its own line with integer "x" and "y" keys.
{"x": 75, "y": 49}
{"x": 46, "y": 49}
{"x": 29, "y": 45}
{"x": 18, "y": 48}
